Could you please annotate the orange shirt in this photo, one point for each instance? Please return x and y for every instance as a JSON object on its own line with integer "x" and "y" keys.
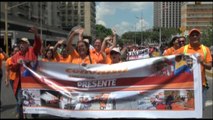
{"x": 79, "y": 60}
{"x": 199, "y": 50}
{"x": 176, "y": 106}
{"x": 190, "y": 103}
{"x": 46, "y": 60}
{"x": 169, "y": 51}
{"x": 97, "y": 56}
{"x": 1, "y": 59}
{"x": 108, "y": 59}
{"x": 60, "y": 58}
{"x": 9, "y": 73}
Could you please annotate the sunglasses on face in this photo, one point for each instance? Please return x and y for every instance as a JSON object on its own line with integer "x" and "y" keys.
{"x": 182, "y": 41}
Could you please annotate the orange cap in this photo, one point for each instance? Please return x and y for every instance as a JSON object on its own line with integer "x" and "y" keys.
{"x": 194, "y": 30}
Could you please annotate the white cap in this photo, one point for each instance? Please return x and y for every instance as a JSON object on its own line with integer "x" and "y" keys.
{"x": 116, "y": 49}
{"x": 86, "y": 40}
{"x": 25, "y": 40}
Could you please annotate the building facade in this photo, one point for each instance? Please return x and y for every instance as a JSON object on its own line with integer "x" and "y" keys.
{"x": 196, "y": 15}
{"x": 78, "y": 13}
{"x": 167, "y": 14}
{"x": 53, "y": 19}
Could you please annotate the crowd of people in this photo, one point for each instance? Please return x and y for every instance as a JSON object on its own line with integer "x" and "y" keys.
{"x": 104, "y": 51}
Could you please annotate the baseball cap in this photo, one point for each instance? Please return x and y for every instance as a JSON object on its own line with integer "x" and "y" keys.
{"x": 194, "y": 30}
{"x": 86, "y": 40}
{"x": 116, "y": 49}
{"x": 25, "y": 40}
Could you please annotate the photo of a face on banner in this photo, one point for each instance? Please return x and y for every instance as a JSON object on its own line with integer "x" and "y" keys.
{"x": 31, "y": 97}
{"x": 162, "y": 67}
{"x": 189, "y": 61}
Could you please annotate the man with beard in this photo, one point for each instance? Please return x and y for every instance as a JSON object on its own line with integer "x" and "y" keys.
{"x": 27, "y": 54}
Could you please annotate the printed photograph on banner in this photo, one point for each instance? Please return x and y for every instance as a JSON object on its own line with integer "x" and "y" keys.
{"x": 183, "y": 63}
{"x": 163, "y": 67}
{"x": 87, "y": 101}
{"x": 151, "y": 100}
{"x": 31, "y": 97}
{"x": 50, "y": 98}
{"x": 179, "y": 99}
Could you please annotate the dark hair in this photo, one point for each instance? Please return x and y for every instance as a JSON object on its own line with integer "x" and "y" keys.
{"x": 87, "y": 45}
{"x": 183, "y": 37}
{"x": 88, "y": 52}
{"x": 51, "y": 50}
{"x": 171, "y": 42}
{"x": 98, "y": 39}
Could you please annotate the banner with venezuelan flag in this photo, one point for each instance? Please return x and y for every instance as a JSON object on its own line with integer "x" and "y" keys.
{"x": 159, "y": 87}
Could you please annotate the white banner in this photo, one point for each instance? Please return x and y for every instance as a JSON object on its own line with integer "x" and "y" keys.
{"x": 160, "y": 87}
{"x": 139, "y": 54}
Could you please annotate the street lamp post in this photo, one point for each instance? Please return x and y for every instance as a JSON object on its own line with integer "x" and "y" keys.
{"x": 6, "y": 28}
{"x": 161, "y": 17}
{"x": 135, "y": 34}
{"x": 141, "y": 27}
{"x": 6, "y": 22}
{"x": 41, "y": 7}
{"x": 161, "y": 22}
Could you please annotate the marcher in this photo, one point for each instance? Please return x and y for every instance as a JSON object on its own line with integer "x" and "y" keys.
{"x": 108, "y": 44}
{"x": 97, "y": 54}
{"x": 3, "y": 57}
{"x": 182, "y": 41}
{"x": 80, "y": 55}
{"x": 49, "y": 55}
{"x": 174, "y": 45}
{"x": 205, "y": 58}
{"x": 28, "y": 55}
{"x": 63, "y": 56}
{"x": 115, "y": 55}
{"x": 10, "y": 75}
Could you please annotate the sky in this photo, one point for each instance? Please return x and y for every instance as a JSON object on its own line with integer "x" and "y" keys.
{"x": 125, "y": 16}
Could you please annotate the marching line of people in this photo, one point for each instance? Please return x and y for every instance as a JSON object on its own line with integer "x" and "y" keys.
{"x": 101, "y": 52}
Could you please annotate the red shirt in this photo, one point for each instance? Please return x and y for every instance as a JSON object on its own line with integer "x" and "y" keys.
{"x": 31, "y": 55}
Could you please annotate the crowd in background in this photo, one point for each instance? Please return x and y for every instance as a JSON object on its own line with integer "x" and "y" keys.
{"x": 105, "y": 51}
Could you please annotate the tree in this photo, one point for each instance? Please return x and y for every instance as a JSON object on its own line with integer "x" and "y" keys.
{"x": 207, "y": 36}
{"x": 102, "y": 32}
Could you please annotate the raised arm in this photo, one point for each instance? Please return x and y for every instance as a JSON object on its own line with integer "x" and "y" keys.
{"x": 80, "y": 33}
{"x": 104, "y": 44}
{"x": 72, "y": 34}
{"x": 37, "y": 41}
{"x": 113, "y": 39}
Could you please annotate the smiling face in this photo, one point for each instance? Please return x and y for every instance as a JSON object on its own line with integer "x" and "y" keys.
{"x": 97, "y": 45}
{"x": 82, "y": 48}
{"x": 194, "y": 38}
{"x": 182, "y": 41}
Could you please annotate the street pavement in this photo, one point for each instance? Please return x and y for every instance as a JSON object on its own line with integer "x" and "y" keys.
{"x": 9, "y": 103}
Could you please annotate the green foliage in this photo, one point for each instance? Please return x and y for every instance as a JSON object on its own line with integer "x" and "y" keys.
{"x": 151, "y": 35}
{"x": 207, "y": 37}
{"x": 102, "y": 32}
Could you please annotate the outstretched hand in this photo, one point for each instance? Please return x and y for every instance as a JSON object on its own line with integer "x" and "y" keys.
{"x": 34, "y": 30}
{"x": 113, "y": 31}
{"x": 60, "y": 42}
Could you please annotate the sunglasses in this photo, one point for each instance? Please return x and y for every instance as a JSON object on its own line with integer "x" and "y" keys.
{"x": 182, "y": 41}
